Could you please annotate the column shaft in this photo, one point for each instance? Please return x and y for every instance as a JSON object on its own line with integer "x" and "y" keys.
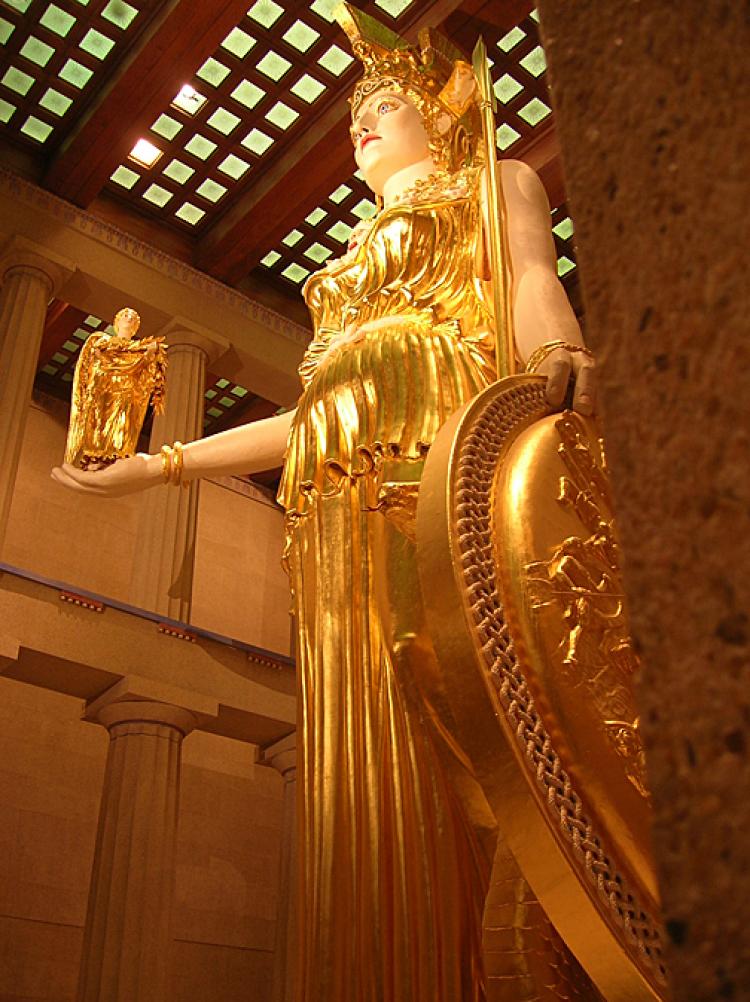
{"x": 23, "y": 303}
{"x": 165, "y": 549}
{"x": 128, "y": 921}
{"x": 282, "y": 756}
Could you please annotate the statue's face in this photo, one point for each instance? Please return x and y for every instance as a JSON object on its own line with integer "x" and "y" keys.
{"x": 388, "y": 136}
{"x": 126, "y": 323}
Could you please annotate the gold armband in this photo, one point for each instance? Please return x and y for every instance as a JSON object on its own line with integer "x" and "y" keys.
{"x": 166, "y": 463}
{"x": 178, "y": 463}
{"x": 539, "y": 354}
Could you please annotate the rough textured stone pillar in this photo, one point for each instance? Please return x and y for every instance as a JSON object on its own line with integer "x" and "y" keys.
{"x": 127, "y": 939}
{"x": 283, "y": 757}
{"x": 652, "y": 111}
{"x": 31, "y": 276}
{"x": 165, "y": 547}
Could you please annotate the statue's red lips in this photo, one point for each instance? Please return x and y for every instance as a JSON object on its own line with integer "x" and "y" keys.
{"x": 366, "y": 139}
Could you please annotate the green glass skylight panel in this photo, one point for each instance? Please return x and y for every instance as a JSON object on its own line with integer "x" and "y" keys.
{"x": 213, "y": 72}
{"x": 6, "y": 30}
{"x": 200, "y": 147}
{"x": 190, "y": 213}
{"x": 227, "y": 402}
{"x": 36, "y": 51}
{"x": 145, "y": 153}
{"x": 125, "y": 177}
{"x": 6, "y": 110}
{"x": 335, "y": 60}
{"x": 54, "y": 101}
{"x": 273, "y": 65}
{"x": 210, "y": 394}
{"x": 17, "y": 80}
{"x": 189, "y": 100}
{"x": 318, "y": 253}
{"x": 57, "y": 20}
{"x": 59, "y": 358}
{"x": 67, "y": 377}
{"x": 365, "y": 209}
{"x": 36, "y": 128}
{"x": 71, "y": 346}
{"x": 308, "y": 88}
{"x": 214, "y": 412}
{"x": 340, "y": 231}
{"x": 295, "y": 272}
{"x": 394, "y": 7}
{"x": 222, "y": 383}
{"x": 324, "y": 8}
{"x": 564, "y": 228}
{"x": 315, "y": 216}
{"x": 265, "y": 12}
{"x": 178, "y": 171}
{"x": 49, "y": 370}
{"x": 22, "y": 5}
{"x": 292, "y": 238}
{"x": 158, "y": 195}
{"x": 514, "y": 36}
{"x": 233, "y": 166}
{"x": 282, "y": 115}
{"x": 166, "y": 126}
{"x": 238, "y": 42}
{"x": 506, "y": 88}
{"x": 534, "y": 111}
{"x": 301, "y": 36}
{"x": 534, "y": 62}
{"x": 92, "y": 321}
{"x": 506, "y": 136}
{"x": 247, "y": 93}
{"x": 76, "y": 73}
{"x": 97, "y": 44}
{"x": 223, "y": 121}
{"x": 119, "y": 13}
{"x": 340, "y": 193}
{"x": 564, "y": 265}
{"x": 211, "y": 190}
{"x": 257, "y": 141}
{"x": 534, "y": 15}
{"x": 239, "y": 391}
{"x": 270, "y": 259}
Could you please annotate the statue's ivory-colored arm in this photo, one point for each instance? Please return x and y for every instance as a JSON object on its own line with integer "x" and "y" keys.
{"x": 251, "y": 448}
{"x": 541, "y": 310}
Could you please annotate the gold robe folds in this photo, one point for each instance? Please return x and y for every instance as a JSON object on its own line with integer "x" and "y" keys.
{"x": 393, "y": 870}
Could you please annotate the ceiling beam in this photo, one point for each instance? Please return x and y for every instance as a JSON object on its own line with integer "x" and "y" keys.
{"x": 308, "y": 170}
{"x": 175, "y": 43}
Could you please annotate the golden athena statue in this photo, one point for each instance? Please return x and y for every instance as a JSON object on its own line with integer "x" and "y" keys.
{"x": 115, "y": 378}
{"x": 417, "y": 835}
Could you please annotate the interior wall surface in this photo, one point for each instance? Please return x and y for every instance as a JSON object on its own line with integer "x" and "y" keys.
{"x": 239, "y": 587}
{"x": 226, "y": 896}
{"x": 652, "y": 109}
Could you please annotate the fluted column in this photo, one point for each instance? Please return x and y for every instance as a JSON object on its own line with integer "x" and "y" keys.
{"x": 165, "y": 544}
{"x": 283, "y": 757}
{"x": 30, "y": 279}
{"x": 128, "y": 921}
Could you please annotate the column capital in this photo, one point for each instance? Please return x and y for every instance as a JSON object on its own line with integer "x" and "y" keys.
{"x": 136, "y": 698}
{"x": 282, "y": 755}
{"x": 181, "y": 331}
{"x": 20, "y": 253}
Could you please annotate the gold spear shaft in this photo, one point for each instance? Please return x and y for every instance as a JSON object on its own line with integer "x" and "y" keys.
{"x": 505, "y": 353}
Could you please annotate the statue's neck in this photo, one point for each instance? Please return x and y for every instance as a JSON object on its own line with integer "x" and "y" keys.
{"x": 405, "y": 178}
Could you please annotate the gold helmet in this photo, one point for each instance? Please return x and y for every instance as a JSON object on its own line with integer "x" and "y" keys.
{"x": 433, "y": 74}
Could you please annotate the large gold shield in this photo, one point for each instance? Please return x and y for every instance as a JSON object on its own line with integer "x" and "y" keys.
{"x": 520, "y": 571}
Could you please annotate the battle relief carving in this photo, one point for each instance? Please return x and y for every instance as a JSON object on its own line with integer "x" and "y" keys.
{"x": 583, "y": 578}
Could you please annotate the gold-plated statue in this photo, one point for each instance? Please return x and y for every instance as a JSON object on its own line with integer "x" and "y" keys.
{"x": 473, "y": 809}
{"x": 115, "y": 378}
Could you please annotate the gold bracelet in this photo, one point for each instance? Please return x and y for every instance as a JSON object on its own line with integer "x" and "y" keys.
{"x": 179, "y": 462}
{"x": 539, "y": 354}
{"x": 166, "y": 463}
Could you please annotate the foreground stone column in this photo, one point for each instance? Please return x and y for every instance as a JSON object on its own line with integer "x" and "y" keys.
{"x": 127, "y": 939}
{"x": 653, "y": 115}
{"x": 283, "y": 757}
{"x": 31, "y": 276}
{"x": 165, "y": 543}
